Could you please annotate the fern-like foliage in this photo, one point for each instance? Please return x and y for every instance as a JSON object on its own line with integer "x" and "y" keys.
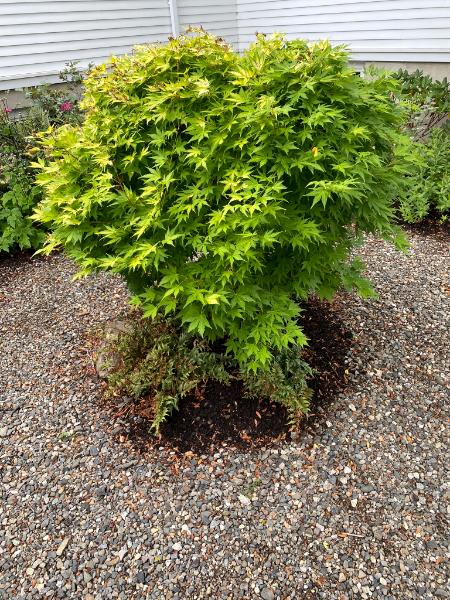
{"x": 285, "y": 381}
{"x": 158, "y": 362}
{"x": 226, "y": 188}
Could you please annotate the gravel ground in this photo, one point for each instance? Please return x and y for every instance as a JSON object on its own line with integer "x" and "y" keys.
{"x": 355, "y": 507}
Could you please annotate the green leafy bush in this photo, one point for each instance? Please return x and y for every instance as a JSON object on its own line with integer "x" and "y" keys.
{"x": 427, "y": 101}
{"x": 428, "y": 185}
{"x": 428, "y": 182}
{"x": 61, "y": 103}
{"x": 226, "y": 188}
{"x": 50, "y": 106}
{"x": 17, "y": 203}
{"x": 18, "y": 193}
{"x": 156, "y": 364}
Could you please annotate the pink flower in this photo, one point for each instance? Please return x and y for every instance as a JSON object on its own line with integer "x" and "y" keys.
{"x": 66, "y": 106}
{"x": 7, "y": 109}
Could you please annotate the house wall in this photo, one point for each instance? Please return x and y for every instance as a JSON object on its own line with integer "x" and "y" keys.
{"x": 37, "y": 37}
{"x": 219, "y": 18}
{"x": 377, "y": 31}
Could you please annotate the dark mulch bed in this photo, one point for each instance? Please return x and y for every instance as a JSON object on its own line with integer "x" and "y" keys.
{"x": 431, "y": 226}
{"x": 16, "y": 259}
{"x": 223, "y": 417}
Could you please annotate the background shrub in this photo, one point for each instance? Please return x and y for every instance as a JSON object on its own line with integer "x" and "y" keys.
{"x": 428, "y": 184}
{"x": 50, "y": 106}
{"x": 18, "y": 193}
{"x": 226, "y": 188}
{"x": 428, "y": 181}
{"x": 61, "y": 103}
{"x": 427, "y": 102}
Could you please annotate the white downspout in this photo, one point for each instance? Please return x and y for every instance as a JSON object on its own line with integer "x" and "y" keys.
{"x": 174, "y": 17}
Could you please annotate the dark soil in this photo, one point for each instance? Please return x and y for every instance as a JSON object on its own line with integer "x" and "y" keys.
{"x": 225, "y": 417}
{"x": 431, "y": 226}
{"x": 16, "y": 259}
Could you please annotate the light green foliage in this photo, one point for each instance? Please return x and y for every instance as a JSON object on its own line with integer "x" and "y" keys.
{"x": 428, "y": 186}
{"x": 226, "y": 188}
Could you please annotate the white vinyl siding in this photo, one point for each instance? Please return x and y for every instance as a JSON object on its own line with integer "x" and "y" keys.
{"x": 219, "y": 18}
{"x": 38, "y": 38}
{"x": 374, "y": 30}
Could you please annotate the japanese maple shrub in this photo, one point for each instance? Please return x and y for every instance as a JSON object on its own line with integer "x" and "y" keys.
{"x": 226, "y": 188}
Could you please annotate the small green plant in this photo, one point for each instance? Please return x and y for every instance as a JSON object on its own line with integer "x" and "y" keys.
{"x": 66, "y": 436}
{"x": 227, "y": 188}
{"x": 18, "y": 193}
{"x": 428, "y": 181}
{"x": 17, "y": 204}
{"x": 250, "y": 490}
{"x": 156, "y": 364}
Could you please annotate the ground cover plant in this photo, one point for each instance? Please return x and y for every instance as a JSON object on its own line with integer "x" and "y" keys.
{"x": 226, "y": 189}
{"x": 156, "y": 363}
{"x": 19, "y": 195}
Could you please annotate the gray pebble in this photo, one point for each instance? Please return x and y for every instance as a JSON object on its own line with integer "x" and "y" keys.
{"x": 67, "y": 473}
